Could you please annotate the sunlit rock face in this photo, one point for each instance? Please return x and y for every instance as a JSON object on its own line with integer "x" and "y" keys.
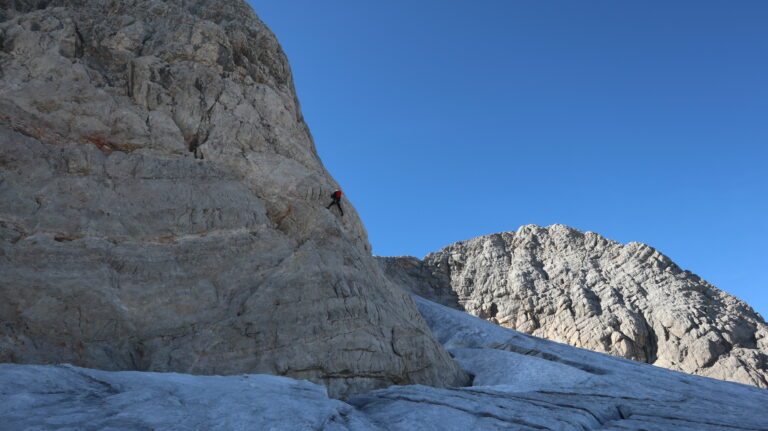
{"x": 588, "y": 291}
{"x": 163, "y": 206}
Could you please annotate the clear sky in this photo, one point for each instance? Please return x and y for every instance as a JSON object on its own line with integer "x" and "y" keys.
{"x": 642, "y": 121}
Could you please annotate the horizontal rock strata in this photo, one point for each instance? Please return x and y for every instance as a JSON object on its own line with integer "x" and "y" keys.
{"x": 163, "y": 206}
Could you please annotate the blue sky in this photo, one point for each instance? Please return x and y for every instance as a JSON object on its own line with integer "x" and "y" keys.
{"x": 641, "y": 121}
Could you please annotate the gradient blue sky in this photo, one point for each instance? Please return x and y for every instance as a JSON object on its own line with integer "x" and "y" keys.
{"x": 642, "y": 121}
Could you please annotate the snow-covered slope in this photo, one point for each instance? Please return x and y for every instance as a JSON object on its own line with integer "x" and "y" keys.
{"x": 588, "y": 291}
{"x": 38, "y": 397}
{"x": 521, "y": 383}
{"x": 527, "y": 383}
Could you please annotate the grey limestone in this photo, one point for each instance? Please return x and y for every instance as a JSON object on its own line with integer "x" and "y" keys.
{"x": 580, "y": 288}
{"x": 163, "y": 206}
{"x": 521, "y": 382}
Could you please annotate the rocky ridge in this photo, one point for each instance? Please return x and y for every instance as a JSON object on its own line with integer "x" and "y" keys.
{"x": 588, "y": 291}
{"x": 163, "y": 206}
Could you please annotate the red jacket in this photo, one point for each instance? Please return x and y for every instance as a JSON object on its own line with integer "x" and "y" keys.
{"x": 337, "y": 194}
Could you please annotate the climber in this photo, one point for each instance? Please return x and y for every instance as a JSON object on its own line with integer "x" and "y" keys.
{"x": 336, "y": 196}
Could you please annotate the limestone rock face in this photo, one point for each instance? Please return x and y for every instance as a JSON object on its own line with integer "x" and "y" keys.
{"x": 588, "y": 291}
{"x": 163, "y": 206}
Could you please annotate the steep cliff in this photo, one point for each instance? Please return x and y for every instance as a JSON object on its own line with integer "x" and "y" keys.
{"x": 588, "y": 291}
{"x": 163, "y": 206}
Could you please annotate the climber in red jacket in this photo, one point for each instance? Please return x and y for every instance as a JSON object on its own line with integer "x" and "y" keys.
{"x": 336, "y": 196}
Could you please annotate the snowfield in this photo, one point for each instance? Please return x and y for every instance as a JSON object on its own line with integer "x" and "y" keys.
{"x": 520, "y": 383}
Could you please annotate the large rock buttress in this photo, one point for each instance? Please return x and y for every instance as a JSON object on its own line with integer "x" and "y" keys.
{"x": 163, "y": 206}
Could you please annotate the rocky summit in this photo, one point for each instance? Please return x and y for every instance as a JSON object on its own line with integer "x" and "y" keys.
{"x": 163, "y": 206}
{"x": 585, "y": 290}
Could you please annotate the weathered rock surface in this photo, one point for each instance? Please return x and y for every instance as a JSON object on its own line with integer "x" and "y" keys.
{"x": 588, "y": 291}
{"x": 163, "y": 206}
{"x": 521, "y": 383}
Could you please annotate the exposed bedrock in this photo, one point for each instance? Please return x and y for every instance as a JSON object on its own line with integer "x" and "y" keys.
{"x": 588, "y": 291}
{"x": 163, "y": 206}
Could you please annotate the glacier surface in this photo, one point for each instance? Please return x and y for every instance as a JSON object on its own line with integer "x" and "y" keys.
{"x": 520, "y": 383}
